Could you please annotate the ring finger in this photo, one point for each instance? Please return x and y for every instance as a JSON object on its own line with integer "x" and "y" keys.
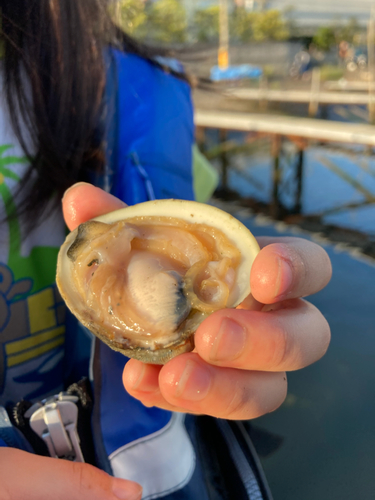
{"x": 189, "y": 384}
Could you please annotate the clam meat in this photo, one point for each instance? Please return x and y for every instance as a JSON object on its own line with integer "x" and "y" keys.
{"x": 143, "y": 278}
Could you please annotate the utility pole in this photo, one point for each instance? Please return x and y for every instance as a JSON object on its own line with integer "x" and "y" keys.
{"x": 223, "y": 56}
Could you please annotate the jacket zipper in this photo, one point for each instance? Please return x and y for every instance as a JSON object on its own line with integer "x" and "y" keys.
{"x": 245, "y": 471}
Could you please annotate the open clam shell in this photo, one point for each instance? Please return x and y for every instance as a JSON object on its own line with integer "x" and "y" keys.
{"x": 144, "y": 277}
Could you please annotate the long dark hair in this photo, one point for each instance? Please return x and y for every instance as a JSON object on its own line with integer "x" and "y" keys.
{"x": 54, "y": 83}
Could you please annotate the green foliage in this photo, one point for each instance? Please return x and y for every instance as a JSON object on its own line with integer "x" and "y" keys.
{"x": 131, "y": 16}
{"x": 167, "y": 21}
{"x": 241, "y": 25}
{"x": 325, "y": 38}
{"x": 259, "y": 26}
{"x": 269, "y": 25}
{"x": 163, "y": 21}
{"x": 244, "y": 26}
{"x": 206, "y": 22}
{"x": 349, "y": 31}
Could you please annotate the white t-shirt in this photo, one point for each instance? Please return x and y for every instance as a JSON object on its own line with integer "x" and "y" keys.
{"x": 32, "y": 314}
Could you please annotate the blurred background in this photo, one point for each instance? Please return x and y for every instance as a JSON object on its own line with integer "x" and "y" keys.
{"x": 284, "y": 94}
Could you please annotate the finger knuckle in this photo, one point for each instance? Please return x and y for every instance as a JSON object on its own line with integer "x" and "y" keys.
{"x": 239, "y": 407}
{"x": 85, "y": 477}
{"x": 282, "y": 346}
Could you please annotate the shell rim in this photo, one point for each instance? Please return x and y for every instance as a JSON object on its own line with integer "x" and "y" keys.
{"x": 202, "y": 213}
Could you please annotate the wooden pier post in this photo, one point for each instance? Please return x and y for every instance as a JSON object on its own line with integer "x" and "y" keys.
{"x": 200, "y": 137}
{"x": 224, "y": 160}
{"x": 275, "y": 152}
{"x": 263, "y": 87}
{"x": 315, "y": 89}
{"x": 299, "y": 182}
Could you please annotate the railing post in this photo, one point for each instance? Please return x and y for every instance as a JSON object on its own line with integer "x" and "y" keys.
{"x": 200, "y": 137}
{"x": 299, "y": 182}
{"x": 275, "y": 151}
{"x": 224, "y": 160}
{"x": 315, "y": 89}
{"x": 263, "y": 87}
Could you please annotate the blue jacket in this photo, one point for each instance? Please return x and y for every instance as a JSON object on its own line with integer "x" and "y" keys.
{"x": 149, "y": 150}
{"x": 150, "y": 135}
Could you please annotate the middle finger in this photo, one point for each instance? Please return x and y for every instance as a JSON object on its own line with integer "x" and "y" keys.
{"x": 281, "y": 340}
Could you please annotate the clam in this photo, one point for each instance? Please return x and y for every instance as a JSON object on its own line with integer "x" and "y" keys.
{"x": 143, "y": 278}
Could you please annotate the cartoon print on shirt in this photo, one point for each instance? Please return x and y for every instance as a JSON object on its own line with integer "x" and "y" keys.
{"x": 10, "y": 310}
{"x": 32, "y": 326}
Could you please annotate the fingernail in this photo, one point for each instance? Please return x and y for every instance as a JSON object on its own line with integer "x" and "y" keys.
{"x": 284, "y": 278}
{"x": 126, "y": 490}
{"x": 194, "y": 382}
{"x": 136, "y": 375}
{"x": 140, "y": 378}
{"x": 229, "y": 342}
{"x": 137, "y": 379}
{"x": 74, "y": 186}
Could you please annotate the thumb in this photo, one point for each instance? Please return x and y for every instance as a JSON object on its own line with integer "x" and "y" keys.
{"x": 26, "y": 476}
{"x": 83, "y": 201}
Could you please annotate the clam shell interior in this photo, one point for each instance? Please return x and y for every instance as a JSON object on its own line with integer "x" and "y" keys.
{"x": 144, "y": 277}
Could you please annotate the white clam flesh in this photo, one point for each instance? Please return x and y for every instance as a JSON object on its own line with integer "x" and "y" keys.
{"x": 143, "y": 278}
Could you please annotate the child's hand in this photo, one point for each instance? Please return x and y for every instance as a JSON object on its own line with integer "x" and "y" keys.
{"x": 237, "y": 370}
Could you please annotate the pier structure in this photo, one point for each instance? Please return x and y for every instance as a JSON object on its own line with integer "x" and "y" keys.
{"x": 302, "y": 132}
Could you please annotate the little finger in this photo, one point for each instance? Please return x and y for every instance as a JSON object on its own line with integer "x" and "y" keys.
{"x": 142, "y": 382}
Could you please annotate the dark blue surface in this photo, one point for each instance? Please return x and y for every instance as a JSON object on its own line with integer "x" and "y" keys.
{"x": 327, "y": 423}
{"x": 323, "y": 189}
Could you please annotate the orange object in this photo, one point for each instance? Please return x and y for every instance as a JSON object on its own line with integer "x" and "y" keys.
{"x": 223, "y": 59}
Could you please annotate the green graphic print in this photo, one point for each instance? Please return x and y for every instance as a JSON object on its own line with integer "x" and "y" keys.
{"x": 31, "y": 311}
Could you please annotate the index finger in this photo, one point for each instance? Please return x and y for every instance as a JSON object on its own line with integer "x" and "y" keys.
{"x": 83, "y": 202}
